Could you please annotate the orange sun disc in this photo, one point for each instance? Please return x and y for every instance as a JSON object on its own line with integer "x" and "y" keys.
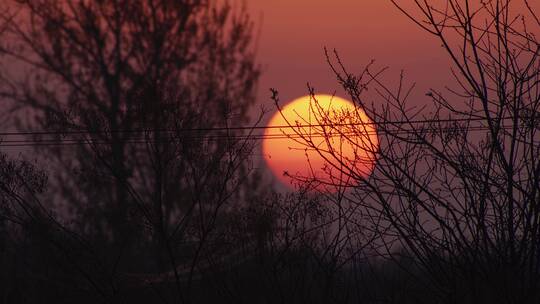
{"x": 321, "y": 139}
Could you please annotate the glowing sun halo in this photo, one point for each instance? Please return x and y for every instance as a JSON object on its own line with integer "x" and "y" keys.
{"x": 345, "y": 138}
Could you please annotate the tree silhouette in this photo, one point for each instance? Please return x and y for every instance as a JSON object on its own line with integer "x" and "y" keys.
{"x": 135, "y": 87}
{"x": 152, "y": 197}
{"x": 453, "y": 199}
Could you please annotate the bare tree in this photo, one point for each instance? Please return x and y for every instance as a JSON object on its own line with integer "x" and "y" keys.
{"x": 453, "y": 198}
{"x": 152, "y": 97}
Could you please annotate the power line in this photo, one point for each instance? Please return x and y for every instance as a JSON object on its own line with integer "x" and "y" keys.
{"x": 187, "y": 130}
{"x": 240, "y": 137}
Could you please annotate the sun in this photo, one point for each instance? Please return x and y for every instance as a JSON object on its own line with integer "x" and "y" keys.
{"x": 323, "y": 140}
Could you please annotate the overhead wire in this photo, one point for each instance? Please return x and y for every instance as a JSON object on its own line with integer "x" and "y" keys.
{"x": 142, "y": 140}
{"x": 244, "y": 128}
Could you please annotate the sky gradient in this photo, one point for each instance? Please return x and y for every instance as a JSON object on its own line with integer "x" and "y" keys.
{"x": 292, "y": 36}
{"x": 294, "y": 33}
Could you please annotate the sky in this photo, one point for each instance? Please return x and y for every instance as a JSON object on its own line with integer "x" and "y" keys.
{"x": 293, "y": 34}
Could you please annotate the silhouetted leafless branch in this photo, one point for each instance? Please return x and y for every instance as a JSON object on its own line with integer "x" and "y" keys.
{"x": 455, "y": 186}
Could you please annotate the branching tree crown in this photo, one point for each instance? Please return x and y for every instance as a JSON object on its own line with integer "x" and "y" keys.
{"x": 456, "y": 183}
{"x": 122, "y": 72}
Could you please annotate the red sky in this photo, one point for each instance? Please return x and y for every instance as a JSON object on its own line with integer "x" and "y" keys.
{"x": 294, "y": 32}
